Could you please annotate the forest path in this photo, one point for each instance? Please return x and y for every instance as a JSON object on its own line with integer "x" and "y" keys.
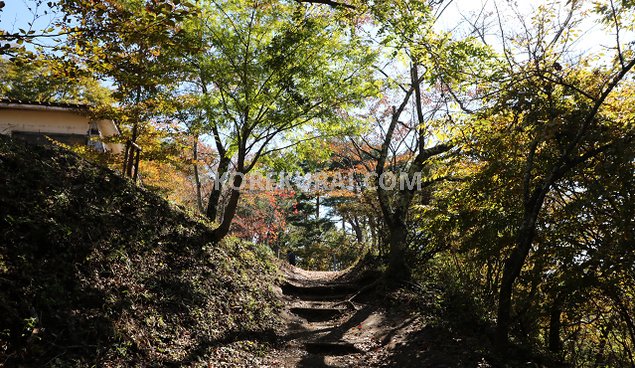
{"x": 327, "y": 327}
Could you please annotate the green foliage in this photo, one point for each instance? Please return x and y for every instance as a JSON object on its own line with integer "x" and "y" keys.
{"x": 535, "y": 150}
{"x": 276, "y": 72}
{"x": 320, "y": 246}
{"x": 533, "y": 192}
{"x": 47, "y": 79}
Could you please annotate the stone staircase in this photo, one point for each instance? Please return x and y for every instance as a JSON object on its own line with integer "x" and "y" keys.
{"x": 321, "y": 314}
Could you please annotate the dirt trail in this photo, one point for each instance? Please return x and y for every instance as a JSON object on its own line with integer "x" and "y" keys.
{"x": 325, "y": 328}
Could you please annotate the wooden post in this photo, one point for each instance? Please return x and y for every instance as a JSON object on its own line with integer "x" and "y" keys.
{"x": 136, "y": 163}
{"x": 131, "y": 160}
{"x": 125, "y": 158}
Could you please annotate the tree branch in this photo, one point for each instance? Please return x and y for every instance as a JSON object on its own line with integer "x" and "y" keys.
{"x": 331, "y": 3}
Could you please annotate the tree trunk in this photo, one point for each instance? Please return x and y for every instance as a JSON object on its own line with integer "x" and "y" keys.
{"x": 131, "y": 153}
{"x": 355, "y": 224}
{"x": 555, "y": 345}
{"x": 217, "y": 189}
{"x": 626, "y": 316}
{"x": 197, "y": 178}
{"x": 511, "y": 271}
{"x": 373, "y": 233}
{"x": 397, "y": 269}
{"x": 230, "y": 210}
{"x": 599, "y": 356}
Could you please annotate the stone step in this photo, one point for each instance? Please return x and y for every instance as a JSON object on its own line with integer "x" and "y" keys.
{"x": 313, "y": 314}
{"x": 319, "y": 292}
{"x": 331, "y": 348}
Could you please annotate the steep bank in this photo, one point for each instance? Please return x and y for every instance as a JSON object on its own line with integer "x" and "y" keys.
{"x": 95, "y": 271}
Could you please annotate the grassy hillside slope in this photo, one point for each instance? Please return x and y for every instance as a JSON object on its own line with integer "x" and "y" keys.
{"x": 94, "y": 271}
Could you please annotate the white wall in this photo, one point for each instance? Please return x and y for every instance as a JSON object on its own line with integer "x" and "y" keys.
{"x": 42, "y": 121}
{"x": 53, "y": 120}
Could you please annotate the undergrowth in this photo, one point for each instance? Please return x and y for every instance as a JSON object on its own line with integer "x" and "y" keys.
{"x": 97, "y": 272}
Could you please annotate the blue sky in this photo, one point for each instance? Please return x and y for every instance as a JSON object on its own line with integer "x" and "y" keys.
{"x": 25, "y": 15}
{"x": 16, "y": 14}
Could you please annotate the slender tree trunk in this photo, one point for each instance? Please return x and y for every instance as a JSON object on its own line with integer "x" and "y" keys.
{"x": 217, "y": 189}
{"x": 626, "y": 316}
{"x": 355, "y": 224}
{"x": 599, "y": 356}
{"x": 197, "y": 178}
{"x": 223, "y": 164}
{"x": 131, "y": 153}
{"x": 373, "y": 233}
{"x": 555, "y": 345}
{"x": 489, "y": 276}
{"x": 134, "y": 137}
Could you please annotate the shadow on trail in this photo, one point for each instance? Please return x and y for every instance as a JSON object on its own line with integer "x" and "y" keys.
{"x": 355, "y": 320}
{"x": 313, "y": 361}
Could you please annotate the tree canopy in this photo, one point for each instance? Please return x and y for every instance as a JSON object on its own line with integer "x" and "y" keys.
{"x": 514, "y": 132}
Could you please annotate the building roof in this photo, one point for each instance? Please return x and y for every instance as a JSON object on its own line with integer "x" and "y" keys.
{"x": 106, "y": 124}
{"x": 6, "y": 103}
